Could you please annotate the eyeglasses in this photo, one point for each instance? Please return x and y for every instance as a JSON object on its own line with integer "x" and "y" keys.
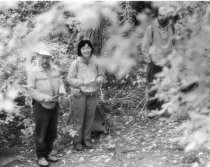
{"x": 48, "y": 58}
{"x": 161, "y": 15}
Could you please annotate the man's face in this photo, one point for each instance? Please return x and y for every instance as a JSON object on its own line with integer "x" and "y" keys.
{"x": 163, "y": 20}
{"x": 45, "y": 61}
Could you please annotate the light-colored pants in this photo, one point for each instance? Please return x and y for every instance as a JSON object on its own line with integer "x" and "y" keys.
{"x": 84, "y": 108}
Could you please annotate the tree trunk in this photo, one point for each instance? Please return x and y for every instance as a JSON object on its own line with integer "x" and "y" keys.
{"x": 96, "y": 36}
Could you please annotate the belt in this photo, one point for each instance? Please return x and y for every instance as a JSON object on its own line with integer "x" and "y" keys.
{"x": 89, "y": 93}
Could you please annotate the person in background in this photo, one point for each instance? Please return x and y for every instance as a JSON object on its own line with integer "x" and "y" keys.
{"x": 85, "y": 78}
{"x": 156, "y": 45}
{"x": 45, "y": 86}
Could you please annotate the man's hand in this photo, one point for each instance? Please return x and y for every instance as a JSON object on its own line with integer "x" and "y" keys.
{"x": 55, "y": 98}
{"x": 147, "y": 59}
{"x": 48, "y": 98}
{"x": 87, "y": 83}
{"x": 99, "y": 80}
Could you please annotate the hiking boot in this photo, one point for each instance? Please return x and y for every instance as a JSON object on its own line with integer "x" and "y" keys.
{"x": 88, "y": 144}
{"x": 42, "y": 162}
{"x": 152, "y": 114}
{"x": 52, "y": 158}
{"x": 162, "y": 113}
{"x": 165, "y": 113}
{"x": 78, "y": 146}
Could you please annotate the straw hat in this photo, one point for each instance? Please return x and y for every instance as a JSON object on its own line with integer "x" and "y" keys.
{"x": 166, "y": 10}
{"x": 43, "y": 50}
{"x": 44, "y": 53}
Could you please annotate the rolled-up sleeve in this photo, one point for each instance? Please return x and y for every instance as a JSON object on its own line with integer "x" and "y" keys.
{"x": 146, "y": 43}
{"x": 71, "y": 78}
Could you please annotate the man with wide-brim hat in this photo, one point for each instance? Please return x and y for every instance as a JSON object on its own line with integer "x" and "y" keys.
{"x": 45, "y": 86}
{"x": 44, "y": 56}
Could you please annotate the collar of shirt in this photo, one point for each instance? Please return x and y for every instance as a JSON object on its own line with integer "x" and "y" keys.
{"x": 52, "y": 67}
{"x": 84, "y": 61}
{"x": 91, "y": 60}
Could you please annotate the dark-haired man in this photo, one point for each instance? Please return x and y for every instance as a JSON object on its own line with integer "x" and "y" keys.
{"x": 156, "y": 45}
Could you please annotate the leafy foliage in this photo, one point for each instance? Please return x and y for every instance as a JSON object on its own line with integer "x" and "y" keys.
{"x": 190, "y": 53}
{"x": 24, "y": 26}
{"x": 125, "y": 96}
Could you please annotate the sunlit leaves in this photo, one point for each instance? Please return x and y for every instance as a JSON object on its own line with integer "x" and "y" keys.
{"x": 89, "y": 21}
{"x": 128, "y": 13}
{"x": 89, "y": 13}
{"x": 8, "y": 4}
{"x": 189, "y": 61}
{"x": 7, "y": 105}
{"x": 28, "y": 127}
{"x": 12, "y": 93}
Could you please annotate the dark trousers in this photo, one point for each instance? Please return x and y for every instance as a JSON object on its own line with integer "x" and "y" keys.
{"x": 152, "y": 70}
{"x": 45, "y": 128}
{"x": 84, "y": 108}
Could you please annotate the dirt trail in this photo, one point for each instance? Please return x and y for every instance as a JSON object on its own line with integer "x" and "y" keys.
{"x": 145, "y": 143}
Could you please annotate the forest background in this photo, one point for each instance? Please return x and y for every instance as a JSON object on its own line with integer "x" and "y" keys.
{"x": 116, "y": 30}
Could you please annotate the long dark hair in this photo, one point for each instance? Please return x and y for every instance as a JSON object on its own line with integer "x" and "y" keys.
{"x": 83, "y": 43}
